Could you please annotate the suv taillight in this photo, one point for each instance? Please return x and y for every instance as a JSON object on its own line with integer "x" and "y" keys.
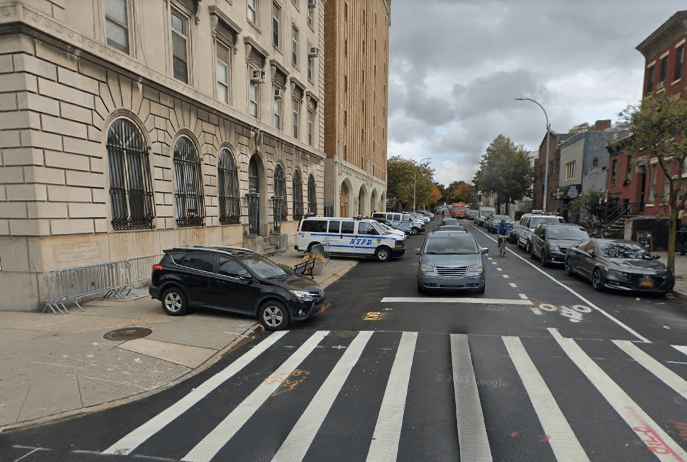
{"x": 157, "y": 267}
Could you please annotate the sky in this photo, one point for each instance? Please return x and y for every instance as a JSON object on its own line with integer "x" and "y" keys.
{"x": 456, "y": 67}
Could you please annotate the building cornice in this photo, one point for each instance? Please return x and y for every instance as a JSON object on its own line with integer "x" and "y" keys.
{"x": 664, "y": 35}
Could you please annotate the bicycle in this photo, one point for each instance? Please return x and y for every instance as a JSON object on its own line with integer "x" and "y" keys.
{"x": 502, "y": 246}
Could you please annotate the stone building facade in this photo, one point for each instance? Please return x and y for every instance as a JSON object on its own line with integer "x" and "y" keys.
{"x": 356, "y": 105}
{"x": 130, "y": 127}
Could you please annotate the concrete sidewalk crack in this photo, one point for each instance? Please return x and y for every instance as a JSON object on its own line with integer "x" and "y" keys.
{"x": 78, "y": 384}
{"x": 22, "y": 404}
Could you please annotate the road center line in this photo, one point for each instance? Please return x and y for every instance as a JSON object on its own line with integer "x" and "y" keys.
{"x": 477, "y": 301}
{"x": 523, "y": 296}
{"x": 513, "y": 285}
{"x": 499, "y": 269}
{"x": 617, "y": 321}
{"x": 505, "y": 276}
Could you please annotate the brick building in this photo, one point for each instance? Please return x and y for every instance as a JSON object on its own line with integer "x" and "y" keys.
{"x": 130, "y": 127}
{"x": 356, "y": 105}
{"x": 555, "y": 140}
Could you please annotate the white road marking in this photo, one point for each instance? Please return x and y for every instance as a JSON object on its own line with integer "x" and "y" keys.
{"x": 494, "y": 263}
{"x": 499, "y": 269}
{"x": 681, "y": 348}
{"x": 472, "y": 432}
{"x": 564, "y": 443}
{"x": 208, "y": 448}
{"x": 488, "y": 301}
{"x": 656, "y": 439}
{"x": 505, "y": 276}
{"x": 536, "y": 311}
{"x": 677, "y": 362}
{"x": 303, "y": 433}
{"x": 134, "y": 439}
{"x": 667, "y": 376}
{"x": 523, "y": 296}
{"x": 618, "y": 322}
{"x": 513, "y": 285}
{"x": 387, "y": 434}
{"x": 28, "y": 454}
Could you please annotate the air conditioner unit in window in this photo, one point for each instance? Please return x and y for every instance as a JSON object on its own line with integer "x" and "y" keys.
{"x": 313, "y": 52}
{"x": 660, "y": 85}
{"x": 312, "y": 3}
{"x": 279, "y": 93}
{"x": 257, "y": 75}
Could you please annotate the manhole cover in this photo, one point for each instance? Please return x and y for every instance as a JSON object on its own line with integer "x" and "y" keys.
{"x": 128, "y": 333}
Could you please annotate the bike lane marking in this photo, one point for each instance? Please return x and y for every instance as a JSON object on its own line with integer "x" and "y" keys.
{"x": 617, "y": 321}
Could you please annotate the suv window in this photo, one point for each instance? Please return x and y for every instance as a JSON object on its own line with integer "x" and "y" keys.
{"x": 397, "y": 217}
{"x": 378, "y": 215}
{"x": 535, "y": 221}
{"x": 199, "y": 261}
{"x": 347, "y": 227}
{"x": 315, "y": 226}
{"x": 334, "y": 226}
{"x": 230, "y": 267}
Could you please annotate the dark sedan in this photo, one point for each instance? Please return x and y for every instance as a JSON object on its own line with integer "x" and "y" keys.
{"x": 620, "y": 265}
{"x": 551, "y": 242}
{"x": 449, "y": 222}
{"x": 492, "y": 223}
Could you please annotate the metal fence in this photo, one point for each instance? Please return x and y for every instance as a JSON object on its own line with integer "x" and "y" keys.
{"x": 114, "y": 280}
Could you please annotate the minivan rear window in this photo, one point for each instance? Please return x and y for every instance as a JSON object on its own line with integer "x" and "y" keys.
{"x": 347, "y": 227}
{"x": 314, "y": 226}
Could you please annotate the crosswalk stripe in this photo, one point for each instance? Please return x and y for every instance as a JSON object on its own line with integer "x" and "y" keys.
{"x": 472, "y": 432}
{"x": 475, "y": 300}
{"x": 387, "y": 433}
{"x": 303, "y": 433}
{"x": 656, "y": 440}
{"x": 217, "y": 438}
{"x": 562, "y": 439}
{"x": 667, "y": 376}
{"x": 681, "y": 348}
{"x": 134, "y": 439}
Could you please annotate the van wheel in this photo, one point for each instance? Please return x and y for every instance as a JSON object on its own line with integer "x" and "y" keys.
{"x": 383, "y": 254}
{"x": 414, "y": 231}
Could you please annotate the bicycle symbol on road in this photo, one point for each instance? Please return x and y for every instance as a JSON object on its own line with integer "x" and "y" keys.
{"x": 574, "y": 313}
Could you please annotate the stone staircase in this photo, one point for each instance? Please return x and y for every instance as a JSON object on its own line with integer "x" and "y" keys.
{"x": 617, "y": 228}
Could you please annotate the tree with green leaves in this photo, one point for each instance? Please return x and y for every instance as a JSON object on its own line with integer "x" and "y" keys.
{"x": 504, "y": 170}
{"x": 589, "y": 207}
{"x": 658, "y": 126}
{"x": 401, "y": 174}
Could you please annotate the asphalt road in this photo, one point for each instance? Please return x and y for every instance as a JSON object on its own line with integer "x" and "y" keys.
{"x": 539, "y": 368}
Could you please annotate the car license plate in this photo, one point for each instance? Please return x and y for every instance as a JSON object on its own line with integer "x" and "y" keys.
{"x": 646, "y": 283}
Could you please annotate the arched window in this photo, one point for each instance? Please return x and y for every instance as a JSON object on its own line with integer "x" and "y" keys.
{"x": 312, "y": 196}
{"x": 280, "y": 189}
{"x": 188, "y": 182}
{"x": 131, "y": 190}
{"x": 228, "y": 185}
{"x": 297, "y": 196}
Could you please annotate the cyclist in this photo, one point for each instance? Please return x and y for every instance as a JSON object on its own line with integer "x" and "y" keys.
{"x": 503, "y": 231}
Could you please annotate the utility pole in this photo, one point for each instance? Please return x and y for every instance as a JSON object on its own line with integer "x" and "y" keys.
{"x": 546, "y": 162}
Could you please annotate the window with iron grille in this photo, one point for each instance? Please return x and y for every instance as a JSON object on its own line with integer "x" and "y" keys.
{"x": 297, "y": 196}
{"x": 280, "y": 189}
{"x": 312, "y": 196}
{"x": 131, "y": 187}
{"x": 188, "y": 183}
{"x": 228, "y": 184}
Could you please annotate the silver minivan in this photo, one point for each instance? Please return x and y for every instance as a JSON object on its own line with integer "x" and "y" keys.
{"x": 527, "y": 224}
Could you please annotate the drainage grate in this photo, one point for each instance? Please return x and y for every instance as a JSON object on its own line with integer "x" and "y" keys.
{"x": 128, "y": 333}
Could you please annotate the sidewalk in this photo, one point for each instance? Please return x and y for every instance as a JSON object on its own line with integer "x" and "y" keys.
{"x": 680, "y": 289}
{"x": 55, "y": 366}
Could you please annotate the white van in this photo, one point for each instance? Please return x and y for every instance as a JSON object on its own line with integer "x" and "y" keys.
{"x": 402, "y": 219}
{"x": 349, "y": 237}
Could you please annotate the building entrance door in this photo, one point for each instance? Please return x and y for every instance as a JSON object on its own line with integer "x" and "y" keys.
{"x": 344, "y": 200}
{"x": 253, "y": 197}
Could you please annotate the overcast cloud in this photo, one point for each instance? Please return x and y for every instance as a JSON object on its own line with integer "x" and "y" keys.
{"x": 456, "y": 67}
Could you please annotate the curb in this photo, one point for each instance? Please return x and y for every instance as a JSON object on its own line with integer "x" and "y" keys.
{"x": 41, "y": 421}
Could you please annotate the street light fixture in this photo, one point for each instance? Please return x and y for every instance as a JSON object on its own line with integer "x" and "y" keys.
{"x": 546, "y": 164}
{"x": 415, "y": 186}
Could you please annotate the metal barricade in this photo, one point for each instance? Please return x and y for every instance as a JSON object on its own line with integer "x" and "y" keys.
{"x": 74, "y": 284}
{"x": 139, "y": 270}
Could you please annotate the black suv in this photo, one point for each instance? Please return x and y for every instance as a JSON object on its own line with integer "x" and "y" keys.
{"x": 235, "y": 280}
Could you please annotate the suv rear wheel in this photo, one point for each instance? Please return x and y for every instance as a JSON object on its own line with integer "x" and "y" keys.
{"x": 174, "y": 302}
{"x": 274, "y": 315}
{"x": 414, "y": 231}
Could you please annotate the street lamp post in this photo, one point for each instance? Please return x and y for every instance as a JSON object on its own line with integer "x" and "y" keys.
{"x": 415, "y": 184}
{"x": 546, "y": 164}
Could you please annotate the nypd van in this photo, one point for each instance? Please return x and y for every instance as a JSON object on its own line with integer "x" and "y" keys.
{"x": 349, "y": 237}
{"x": 402, "y": 219}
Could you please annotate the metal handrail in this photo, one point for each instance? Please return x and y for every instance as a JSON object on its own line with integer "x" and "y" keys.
{"x": 616, "y": 214}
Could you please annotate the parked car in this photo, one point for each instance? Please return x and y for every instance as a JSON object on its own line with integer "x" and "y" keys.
{"x": 450, "y": 228}
{"x": 236, "y": 281}
{"x": 390, "y": 230}
{"x": 483, "y": 213}
{"x": 493, "y": 222}
{"x": 403, "y": 220}
{"x": 393, "y": 225}
{"x": 551, "y": 242}
{"x": 448, "y": 221}
{"x": 527, "y": 224}
{"x": 349, "y": 237}
{"x": 451, "y": 261}
{"x": 472, "y": 214}
{"x": 420, "y": 217}
{"x": 620, "y": 265}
